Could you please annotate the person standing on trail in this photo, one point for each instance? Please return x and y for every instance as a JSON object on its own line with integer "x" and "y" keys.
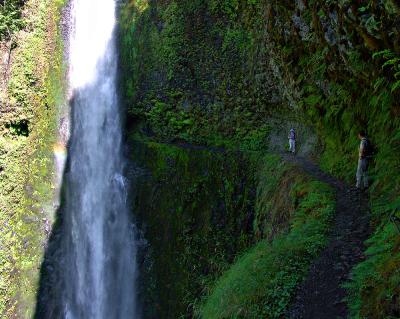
{"x": 292, "y": 140}
{"x": 363, "y": 158}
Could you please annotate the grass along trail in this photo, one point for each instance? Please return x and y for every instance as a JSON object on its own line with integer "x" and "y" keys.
{"x": 322, "y": 295}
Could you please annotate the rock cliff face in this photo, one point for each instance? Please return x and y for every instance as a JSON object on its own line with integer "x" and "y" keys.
{"x": 200, "y": 209}
{"x": 239, "y": 73}
{"x": 233, "y": 76}
{"x": 30, "y": 94}
{"x": 196, "y": 210}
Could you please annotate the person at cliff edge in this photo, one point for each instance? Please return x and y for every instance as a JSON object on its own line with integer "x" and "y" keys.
{"x": 363, "y": 159}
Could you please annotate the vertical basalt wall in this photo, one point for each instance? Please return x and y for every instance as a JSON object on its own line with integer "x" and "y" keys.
{"x": 209, "y": 217}
{"x": 196, "y": 210}
{"x": 221, "y": 73}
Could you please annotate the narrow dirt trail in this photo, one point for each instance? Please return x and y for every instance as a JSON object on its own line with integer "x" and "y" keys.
{"x": 321, "y": 296}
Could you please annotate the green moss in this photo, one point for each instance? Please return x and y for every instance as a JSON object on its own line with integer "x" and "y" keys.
{"x": 10, "y": 18}
{"x": 221, "y": 69}
{"x": 192, "y": 52}
{"x": 377, "y": 280}
{"x": 374, "y": 289}
{"x": 26, "y": 177}
{"x": 196, "y": 208}
{"x": 261, "y": 283}
{"x": 275, "y": 203}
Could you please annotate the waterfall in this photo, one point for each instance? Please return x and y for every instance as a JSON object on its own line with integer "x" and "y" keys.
{"x": 98, "y": 267}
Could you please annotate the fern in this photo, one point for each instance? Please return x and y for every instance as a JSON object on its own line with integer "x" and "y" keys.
{"x": 392, "y": 61}
{"x": 395, "y": 86}
{"x": 387, "y": 54}
{"x": 10, "y": 18}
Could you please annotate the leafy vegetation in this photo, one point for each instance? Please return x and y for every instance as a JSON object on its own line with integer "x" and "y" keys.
{"x": 196, "y": 208}
{"x": 392, "y": 62}
{"x": 27, "y": 134}
{"x": 189, "y": 70}
{"x": 260, "y": 284}
{"x": 222, "y": 69}
{"x": 214, "y": 73}
{"x": 10, "y": 18}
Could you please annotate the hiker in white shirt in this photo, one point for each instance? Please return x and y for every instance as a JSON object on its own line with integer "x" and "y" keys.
{"x": 292, "y": 141}
{"x": 364, "y": 155}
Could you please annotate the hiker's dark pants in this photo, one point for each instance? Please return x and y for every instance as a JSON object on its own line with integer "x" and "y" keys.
{"x": 362, "y": 173}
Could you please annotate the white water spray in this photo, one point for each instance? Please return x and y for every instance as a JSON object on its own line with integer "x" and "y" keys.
{"x": 99, "y": 248}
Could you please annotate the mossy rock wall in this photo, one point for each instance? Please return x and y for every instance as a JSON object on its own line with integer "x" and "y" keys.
{"x": 216, "y": 72}
{"x": 200, "y": 209}
{"x": 196, "y": 210}
{"x": 31, "y": 91}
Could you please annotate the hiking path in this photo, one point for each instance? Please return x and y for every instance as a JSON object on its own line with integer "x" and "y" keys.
{"x": 321, "y": 295}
